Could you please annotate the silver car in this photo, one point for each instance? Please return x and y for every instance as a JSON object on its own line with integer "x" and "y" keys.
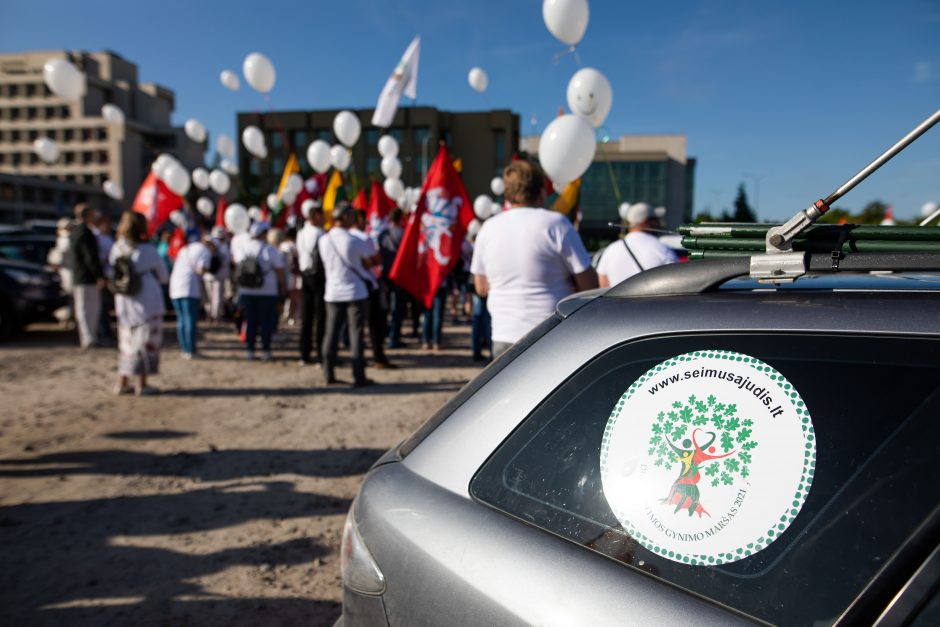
{"x": 689, "y": 447}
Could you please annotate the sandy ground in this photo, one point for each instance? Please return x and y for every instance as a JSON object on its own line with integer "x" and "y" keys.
{"x": 219, "y": 502}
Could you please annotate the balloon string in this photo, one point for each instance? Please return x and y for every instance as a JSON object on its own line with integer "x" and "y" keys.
{"x": 569, "y": 50}
{"x": 610, "y": 168}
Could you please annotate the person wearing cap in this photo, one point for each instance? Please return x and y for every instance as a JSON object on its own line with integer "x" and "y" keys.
{"x": 637, "y": 251}
{"x": 215, "y": 280}
{"x": 346, "y": 260}
{"x": 192, "y": 262}
{"x": 259, "y": 304}
{"x": 313, "y": 283}
{"x": 526, "y": 259}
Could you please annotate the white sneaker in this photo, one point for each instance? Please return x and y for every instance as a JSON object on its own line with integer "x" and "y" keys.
{"x": 120, "y": 390}
{"x": 187, "y": 355}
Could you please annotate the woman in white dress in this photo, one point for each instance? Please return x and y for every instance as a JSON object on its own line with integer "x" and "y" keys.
{"x": 138, "y": 302}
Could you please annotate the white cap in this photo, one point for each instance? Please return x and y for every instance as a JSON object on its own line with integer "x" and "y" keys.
{"x": 639, "y": 213}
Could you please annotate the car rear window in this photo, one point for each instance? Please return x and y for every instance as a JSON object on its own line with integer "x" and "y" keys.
{"x": 874, "y": 403}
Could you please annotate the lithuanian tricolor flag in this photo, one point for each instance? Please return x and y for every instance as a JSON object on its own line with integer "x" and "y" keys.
{"x": 334, "y": 194}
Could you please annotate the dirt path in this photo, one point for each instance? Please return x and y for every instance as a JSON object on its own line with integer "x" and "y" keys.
{"x": 219, "y": 502}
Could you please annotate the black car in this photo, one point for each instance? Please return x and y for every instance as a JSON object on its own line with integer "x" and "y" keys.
{"x": 29, "y": 292}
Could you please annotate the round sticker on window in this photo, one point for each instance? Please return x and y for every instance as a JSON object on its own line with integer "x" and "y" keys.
{"x": 708, "y": 457}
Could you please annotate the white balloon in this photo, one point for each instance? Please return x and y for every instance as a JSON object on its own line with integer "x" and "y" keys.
{"x": 236, "y": 218}
{"x": 271, "y": 200}
{"x": 230, "y": 80}
{"x": 204, "y": 207}
{"x": 176, "y": 178}
{"x": 928, "y": 208}
{"x": 496, "y": 208}
{"x": 566, "y": 19}
{"x": 201, "y": 178}
{"x": 225, "y": 146}
{"x": 393, "y": 188}
{"x": 391, "y": 167}
{"x": 112, "y": 114}
{"x": 178, "y": 218}
{"x": 318, "y": 156}
{"x": 295, "y": 183}
{"x": 113, "y": 190}
{"x": 478, "y": 79}
{"x": 497, "y": 186}
{"x": 253, "y": 139}
{"x": 259, "y": 72}
{"x": 46, "y": 149}
{"x": 195, "y": 130}
{"x": 64, "y": 79}
{"x": 219, "y": 182}
{"x": 347, "y": 127}
{"x": 590, "y": 96}
{"x": 255, "y": 214}
{"x": 288, "y": 196}
{"x": 340, "y": 158}
{"x": 473, "y": 228}
{"x": 623, "y": 210}
{"x": 159, "y": 165}
{"x": 229, "y": 166}
{"x": 482, "y": 206}
{"x": 388, "y": 146}
{"x": 566, "y": 149}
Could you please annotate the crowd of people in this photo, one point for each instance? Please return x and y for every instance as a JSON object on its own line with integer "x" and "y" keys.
{"x": 333, "y": 284}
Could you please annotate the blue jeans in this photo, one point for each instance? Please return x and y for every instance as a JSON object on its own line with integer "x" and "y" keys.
{"x": 433, "y": 317}
{"x": 260, "y": 315}
{"x": 480, "y": 328}
{"x": 187, "y": 314}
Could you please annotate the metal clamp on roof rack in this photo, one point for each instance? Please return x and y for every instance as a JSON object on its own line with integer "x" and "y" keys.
{"x": 778, "y": 267}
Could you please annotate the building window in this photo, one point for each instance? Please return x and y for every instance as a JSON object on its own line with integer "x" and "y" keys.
{"x": 50, "y": 113}
{"x": 3, "y": 158}
{"x": 277, "y": 166}
{"x": 86, "y": 134}
{"x": 254, "y": 167}
{"x": 103, "y": 156}
{"x": 101, "y": 134}
{"x": 68, "y": 135}
{"x": 372, "y": 137}
{"x": 33, "y": 135}
{"x": 68, "y": 157}
{"x": 33, "y": 159}
{"x": 13, "y": 90}
{"x": 422, "y": 147}
{"x": 14, "y": 135}
{"x": 31, "y": 89}
{"x": 13, "y": 113}
{"x": 325, "y": 134}
{"x": 15, "y": 158}
{"x": 277, "y": 140}
{"x": 299, "y": 142}
{"x": 64, "y": 112}
{"x": 373, "y": 166}
{"x": 31, "y": 113}
{"x": 87, "y": 157}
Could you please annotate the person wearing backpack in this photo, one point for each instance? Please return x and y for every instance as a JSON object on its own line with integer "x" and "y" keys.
{"x": 139, "y": 272}
{"x": 259, "y": 274}
{"x": 192, "y": 262}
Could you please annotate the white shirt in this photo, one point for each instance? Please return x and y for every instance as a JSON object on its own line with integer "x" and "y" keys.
{"x": 342, "y": 254}
{"x": 373, "y": 244}
{"x": 135, "y": 310}
{"x": 238, "y": 241}
{"x": 617, "y": 264}
{"x": 307, "y": 239}
{"x": 528, "y": 257}
{"x": 268, "y": 258}
{"x": 185, "y": 282}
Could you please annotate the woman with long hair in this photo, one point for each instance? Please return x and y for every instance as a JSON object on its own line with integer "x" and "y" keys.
{"x": 138, "y": 302}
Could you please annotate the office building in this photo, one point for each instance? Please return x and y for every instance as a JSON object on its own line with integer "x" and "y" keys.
{"x": 91, "y": 150}
{"x": 482, "y": 141}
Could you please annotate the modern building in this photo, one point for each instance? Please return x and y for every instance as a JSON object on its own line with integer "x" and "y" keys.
{"x": 483, "y": 141}
{"x": 91, "y": 150}
{"x": 634, "y": 168}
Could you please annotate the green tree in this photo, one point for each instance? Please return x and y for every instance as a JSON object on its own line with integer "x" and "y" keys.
{"x": 743, "y": 211}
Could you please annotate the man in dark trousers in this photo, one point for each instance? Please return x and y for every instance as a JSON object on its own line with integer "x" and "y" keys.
{"x": 87, "y": 275}
{"x": 313, "y": 309}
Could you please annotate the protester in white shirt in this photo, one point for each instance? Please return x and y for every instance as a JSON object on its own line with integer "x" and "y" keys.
{"x": 378, "y": 316}
{"x": 526, "y": 259}
{"x": 191, "y": 263}
{"x": 215, "y": 281}
{"x": 636, "y": 252}
{"x": 139, "y": 314}
{"x": 346, "y": 259}
{"x": 313, "y": 284}
{"x": 259, "y": 272}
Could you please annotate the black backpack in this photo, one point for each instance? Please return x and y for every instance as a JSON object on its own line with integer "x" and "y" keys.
{"x": 249, "y": 273}
{"x": 125, "y": 281}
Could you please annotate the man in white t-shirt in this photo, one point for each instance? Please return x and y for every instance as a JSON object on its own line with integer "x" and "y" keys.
{"x": 191, "y": 263}
{"x": 313, "y": 284}
{"x": 636, "y": 252}
{"x": 346, "y": 260}
{"x": 527, "y": 259}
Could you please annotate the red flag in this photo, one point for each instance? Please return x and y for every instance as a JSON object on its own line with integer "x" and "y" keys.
{"x": 220, "y": 208}
{"x": 360, "y": 202}
{"x": 176, "y": 244}
{"x": 155, "y": 201}
{"x": 380, "y": 205}
{"x": 431, "y": 245}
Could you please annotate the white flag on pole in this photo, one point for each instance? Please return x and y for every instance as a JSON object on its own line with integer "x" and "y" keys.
{"x": 404, "y": 80}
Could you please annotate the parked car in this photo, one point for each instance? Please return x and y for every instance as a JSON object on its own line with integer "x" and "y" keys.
{"x": 25, "y": 245}
{"x": 689, "y": 447}
{"x": 29, "y": 293}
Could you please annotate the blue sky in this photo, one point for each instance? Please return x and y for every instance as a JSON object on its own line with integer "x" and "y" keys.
{"x": 801, "y": 94}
